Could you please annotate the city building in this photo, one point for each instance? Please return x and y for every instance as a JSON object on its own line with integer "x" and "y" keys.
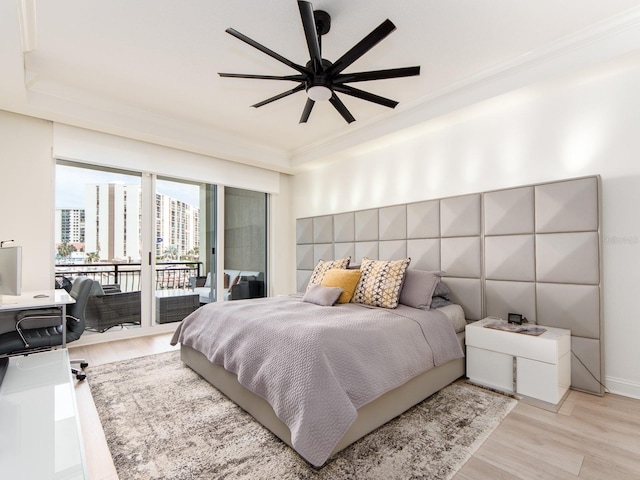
{"x": 112, "y": 223}
{"x": 70, "y": 225}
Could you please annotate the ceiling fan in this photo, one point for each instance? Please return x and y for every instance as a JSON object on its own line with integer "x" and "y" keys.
{"x": 320, "y": 78}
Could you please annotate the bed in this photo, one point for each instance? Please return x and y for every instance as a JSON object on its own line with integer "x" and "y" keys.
{"x": 354, "y": 390}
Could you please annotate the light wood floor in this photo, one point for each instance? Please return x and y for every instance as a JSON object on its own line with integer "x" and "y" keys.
{"x": 589, "y": 438}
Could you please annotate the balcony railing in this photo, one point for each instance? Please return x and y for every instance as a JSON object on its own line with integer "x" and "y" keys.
{"x": 169, "y": 275}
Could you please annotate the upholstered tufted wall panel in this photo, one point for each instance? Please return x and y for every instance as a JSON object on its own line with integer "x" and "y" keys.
{"x": 553, "y": 228}
{"x": 534, "y": 250}
{"x": 342, "y": 250}
{"x": 344, "y": 228}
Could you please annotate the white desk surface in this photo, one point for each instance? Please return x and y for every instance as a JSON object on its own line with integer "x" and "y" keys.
{"x": 57, "y": 297}
{"x": 39, "y": 422}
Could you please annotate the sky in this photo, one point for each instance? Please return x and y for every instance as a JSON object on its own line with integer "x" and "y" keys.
{"x": 70, "y": 182}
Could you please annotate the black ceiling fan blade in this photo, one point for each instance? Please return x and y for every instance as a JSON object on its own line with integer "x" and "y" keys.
{"x": 293, "y": 78}
{"x": 370, "y": 97}
{"x": 362, "y": 47}
{"x": 266, "y": 50}
{"x": 311, "y": 34}
{"x": 307, "y": 111}
{"x": 279, "y": 96}
{"x": 341, "y": 108}
{"x": 377, "y": 75}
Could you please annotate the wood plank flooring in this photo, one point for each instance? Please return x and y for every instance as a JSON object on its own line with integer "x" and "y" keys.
{"x": 589, "y": 438}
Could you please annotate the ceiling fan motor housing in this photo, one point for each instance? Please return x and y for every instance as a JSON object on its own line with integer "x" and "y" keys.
{"x": 323, "y": 21}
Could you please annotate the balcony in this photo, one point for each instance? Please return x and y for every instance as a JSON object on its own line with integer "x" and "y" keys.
{"x": 116, "y": 302}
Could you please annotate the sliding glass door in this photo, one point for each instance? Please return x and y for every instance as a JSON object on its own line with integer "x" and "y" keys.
{"x": 185, "y": 232}
{"x": 245, "y": 244}
{"x": 98, "y": 235}
{"x": 150, "y": 243}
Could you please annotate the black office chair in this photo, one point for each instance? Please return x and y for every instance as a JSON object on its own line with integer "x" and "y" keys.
{"x": 41, "y": 329}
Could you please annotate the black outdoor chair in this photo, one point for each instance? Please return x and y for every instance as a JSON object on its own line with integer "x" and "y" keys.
{"x": 108, "y": 307}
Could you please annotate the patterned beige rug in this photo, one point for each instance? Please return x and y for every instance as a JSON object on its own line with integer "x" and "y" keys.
{"x": 163, "y": 421}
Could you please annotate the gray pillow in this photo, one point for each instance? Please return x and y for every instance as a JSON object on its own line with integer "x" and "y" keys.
{"x": 321, "y": 295}
{"x": 439, "y": 302}
{"x": 442, "y": 291}
{"x": 418, "y": 288}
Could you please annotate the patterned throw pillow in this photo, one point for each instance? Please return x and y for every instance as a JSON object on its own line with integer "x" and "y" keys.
{"x": 323, "y": 266}
{"x": 380, "y": 282}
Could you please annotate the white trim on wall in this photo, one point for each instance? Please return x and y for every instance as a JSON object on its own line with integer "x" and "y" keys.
{"x": 624, "y": 387}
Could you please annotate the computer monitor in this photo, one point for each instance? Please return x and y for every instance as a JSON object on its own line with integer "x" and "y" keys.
{"x": 10, "y": 272}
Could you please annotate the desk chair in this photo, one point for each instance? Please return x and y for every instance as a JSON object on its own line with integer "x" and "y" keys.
{"x": 41, "y": 329}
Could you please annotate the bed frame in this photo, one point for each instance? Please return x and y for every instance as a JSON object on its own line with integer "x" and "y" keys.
{"x": 370, "y": 416}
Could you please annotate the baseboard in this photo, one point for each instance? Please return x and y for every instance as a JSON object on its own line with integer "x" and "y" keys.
{"x": 623, "y": 387}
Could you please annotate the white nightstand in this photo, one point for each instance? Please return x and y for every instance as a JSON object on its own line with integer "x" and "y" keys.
{"x": 536, "y": 367}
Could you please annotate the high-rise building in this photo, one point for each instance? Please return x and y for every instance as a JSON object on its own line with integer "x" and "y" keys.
{"x": 177, "y": 227}
{"x": 70, "y": 225}
{"x": 112, "y": 223}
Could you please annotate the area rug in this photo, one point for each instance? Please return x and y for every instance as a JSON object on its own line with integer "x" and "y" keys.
{"x": 163, "y": 421}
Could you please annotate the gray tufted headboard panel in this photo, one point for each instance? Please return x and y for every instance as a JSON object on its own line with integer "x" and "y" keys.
{"x": 534, "y": 250}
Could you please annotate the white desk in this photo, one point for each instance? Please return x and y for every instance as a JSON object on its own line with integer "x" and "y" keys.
{"x": 39, "y": 421}
{"x": 27, "y": 301}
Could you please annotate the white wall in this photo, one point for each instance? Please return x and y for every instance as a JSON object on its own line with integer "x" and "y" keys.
{"x": 588, "y": 123}
{"x": 26, "y": 194}
{"x": 282, "y": 241}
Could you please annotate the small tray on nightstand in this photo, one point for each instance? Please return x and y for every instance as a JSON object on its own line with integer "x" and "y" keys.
{"x": 510, "y": 327}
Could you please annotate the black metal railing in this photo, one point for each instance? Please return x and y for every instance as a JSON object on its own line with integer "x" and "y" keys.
{"x": 169, "y": 275}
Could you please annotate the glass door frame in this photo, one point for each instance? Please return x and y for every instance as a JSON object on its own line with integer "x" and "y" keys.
{"x": 148, "y": 257}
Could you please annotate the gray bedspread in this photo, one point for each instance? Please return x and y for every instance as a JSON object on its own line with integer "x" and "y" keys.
{"x": 316, "y": 365}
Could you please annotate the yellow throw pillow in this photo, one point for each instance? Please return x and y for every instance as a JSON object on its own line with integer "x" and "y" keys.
{"x": 345, "y": 279}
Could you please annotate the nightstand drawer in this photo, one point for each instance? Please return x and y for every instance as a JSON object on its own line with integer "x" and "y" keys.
{"x": 544, "y": 381}
{"x": 491, "y": 369}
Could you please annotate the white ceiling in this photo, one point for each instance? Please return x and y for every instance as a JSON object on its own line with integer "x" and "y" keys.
{"x": 148, "y": 69}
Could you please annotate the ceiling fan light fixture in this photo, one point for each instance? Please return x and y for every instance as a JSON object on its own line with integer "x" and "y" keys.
{"x": 319, "y": 93}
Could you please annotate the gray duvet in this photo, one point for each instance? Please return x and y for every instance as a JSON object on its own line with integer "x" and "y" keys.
{"x": 317, "y": 365}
